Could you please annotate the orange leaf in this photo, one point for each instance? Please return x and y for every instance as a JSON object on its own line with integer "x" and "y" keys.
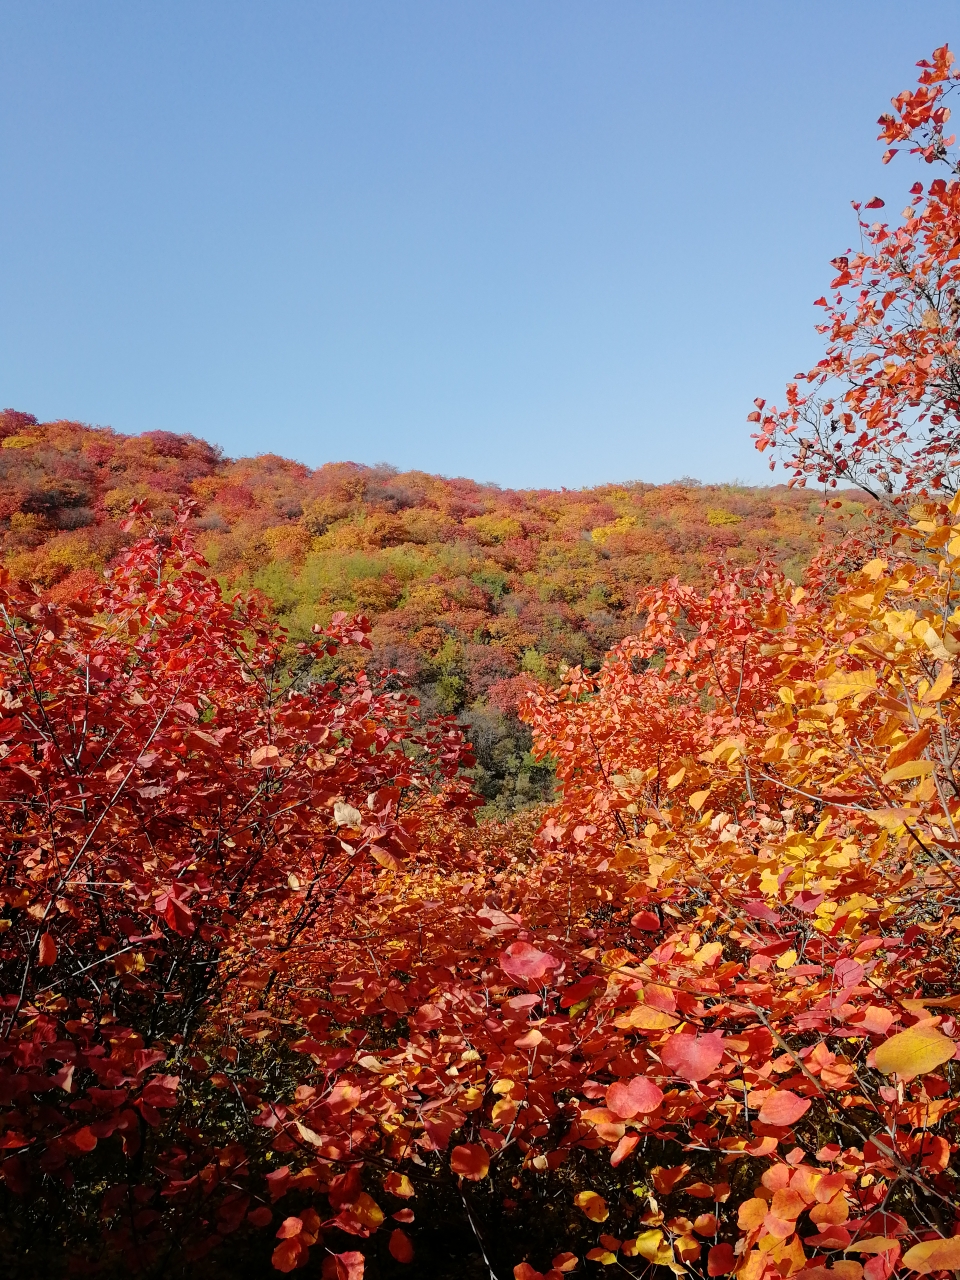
{"x": 400, "y": 1246}
{"x": 934, "y": 1255}
{"x": 47, "y": 953}
{"x": 664, "y": 1180}
{"x": 290, "y": 1254}
{"x": 343, "y": 1266}
{"x": 470, "y": 1161}
{"x": 623, "y": 1148}
{"x": 782, "y": 1106}
{"x": 752, "y": 1213}
{"x": 268, "y": 758}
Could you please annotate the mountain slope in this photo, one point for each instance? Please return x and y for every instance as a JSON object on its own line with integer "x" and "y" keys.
{"x": 468, "y": 586}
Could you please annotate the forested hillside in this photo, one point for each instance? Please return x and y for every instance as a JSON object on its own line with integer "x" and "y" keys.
{"x": 471, "y": 589}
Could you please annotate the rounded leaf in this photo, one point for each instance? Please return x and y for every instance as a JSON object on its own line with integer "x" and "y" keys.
{"x": 47, "y": 951}
{"x": 783, "y": 1106}
{"x": 400, "y": 1246}
{"x": 268, "y": 758}
{"x": 636, "y": 1097}
{"x": 398, "y": 1184}
{"x": 594, "y": 1206}
{"x": 693, "y": 1057}
{"x": 290, "y": 1254}
{"x": 914, "y": 1052}
{"x": 470, "y": 1161}
{"x": 521, "y": 961}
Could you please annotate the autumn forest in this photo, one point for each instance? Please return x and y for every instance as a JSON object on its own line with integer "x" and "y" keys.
{"x": 407, "y": 876}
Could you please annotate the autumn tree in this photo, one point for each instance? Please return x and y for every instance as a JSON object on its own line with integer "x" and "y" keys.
{"x": 880, "y": 409}
{"x": 184, "y": 813}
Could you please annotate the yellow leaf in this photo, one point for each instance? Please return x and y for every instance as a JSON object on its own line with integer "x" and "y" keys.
{"x": 594, "y": 1206}
{"x": 923, "y": 631}
{"x": 709, "y": 953}
{"x": 787, "y": 959}
{"x": 912, "y": 769}
{"x": 914, "y": 1052}
{"x": 308, "y": 1135}
{"x": 848, "y": 684}
{"x": 644, "y": 1018}
{"x": 603, "y": 1256}
{"x": 367, "y": 1210}
{"x": 646, "y": 1245}
{"x": 697, "y": 799}
{"x": 943, "y": 682}
{"x": 676, "y": 778}
{"x": 934, "y": 1255}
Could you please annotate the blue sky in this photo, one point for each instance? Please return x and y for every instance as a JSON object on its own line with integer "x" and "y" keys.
{"x": 531, "y": 241}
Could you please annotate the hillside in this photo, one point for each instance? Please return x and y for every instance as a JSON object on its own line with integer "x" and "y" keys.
{"x": 469, "y": 586}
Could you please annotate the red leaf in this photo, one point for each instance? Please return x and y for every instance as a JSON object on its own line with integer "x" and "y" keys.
{"x": 521, "y": 961}
{"x": 400, "y": 1246}
{"x": 171, "y": 905}
{"x": 693, "y": 1057}
{"x": 721, "y": 1260}
{"x": 645, "y": 921}
{"x": 47, "y": 953}
{"x": 83, "y": 1139}
{"x": 638, "y": 1096}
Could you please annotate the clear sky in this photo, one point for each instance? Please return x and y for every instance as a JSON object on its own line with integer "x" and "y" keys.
{"x": 531, "y": 241}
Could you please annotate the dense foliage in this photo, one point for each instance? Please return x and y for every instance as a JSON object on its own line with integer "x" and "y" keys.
{"x": 270, "y": 993}
{"x": 471, "y": 589}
